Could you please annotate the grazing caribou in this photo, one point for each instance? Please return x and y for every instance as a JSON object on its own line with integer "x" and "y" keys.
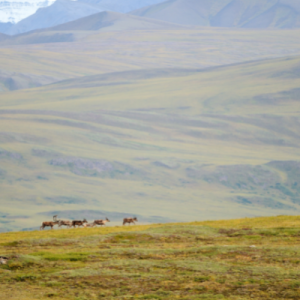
{"x": 50, "y": 224}
{"x": 129, "y": 220}
{"x": 101, "y": 222}
{"x": 78, "y": 223}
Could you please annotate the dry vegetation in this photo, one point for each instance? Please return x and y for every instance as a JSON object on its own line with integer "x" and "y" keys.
{"x": 235, "y": 259}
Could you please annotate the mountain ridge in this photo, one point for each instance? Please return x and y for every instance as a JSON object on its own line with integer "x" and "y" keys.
{"x": 62, "y": 11}
{"x": 226, "y": 13}
{"x": 14, "y": 11}
{"x": 111, "y": 20}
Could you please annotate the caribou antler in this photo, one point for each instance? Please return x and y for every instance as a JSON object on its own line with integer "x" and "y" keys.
{"x": 55, "y": 218}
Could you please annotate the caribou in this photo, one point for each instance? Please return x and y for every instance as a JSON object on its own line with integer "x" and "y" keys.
{"x": 3, "y": 260}
{"x": 64, "y": 223}
{"x": 50, "y": 224}
{"x": 129, "y": 220}
{"x": 89, "y": 225}
{"x": 101, "y": 222}
{"x": 78, "y": 223}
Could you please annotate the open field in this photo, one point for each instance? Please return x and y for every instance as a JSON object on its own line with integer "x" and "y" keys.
{"x": 229, "y": 259}
{"x": 178, "y": 145}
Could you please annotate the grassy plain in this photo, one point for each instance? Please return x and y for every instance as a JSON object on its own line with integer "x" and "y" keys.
{"x": 227, "y": 259}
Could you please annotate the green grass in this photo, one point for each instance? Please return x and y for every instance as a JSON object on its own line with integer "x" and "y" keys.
{"x": 228, "y": 259}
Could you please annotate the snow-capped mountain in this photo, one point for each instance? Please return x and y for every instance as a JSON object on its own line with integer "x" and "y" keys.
{"x": 62, "y": 11}
{"x": 16, "y": 10}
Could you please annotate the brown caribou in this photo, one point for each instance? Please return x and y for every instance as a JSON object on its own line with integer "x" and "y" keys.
{"x": 101, "y": 222}
{"x": 129, "y": 220}
{"x": 50, "y": 224}
{"x": 78, "y": 223}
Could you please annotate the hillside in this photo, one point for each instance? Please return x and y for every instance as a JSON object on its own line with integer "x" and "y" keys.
{"x": 64, "y": 11}
{"x": 70, "y": 54}
{"x": 233, "y": 259}
{"x": 11, "y": 81}
{"x": 113, "y": 21}
{"x": 5, "y": 26}
{"x": 196, "y": 139}
{"x": 226, "y": 13}
{"x": 3, "y": 37}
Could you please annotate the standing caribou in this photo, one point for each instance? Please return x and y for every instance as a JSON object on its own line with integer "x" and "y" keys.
{"x": 129, "y": 220}
{"x": 50, "y": 224}
{"x": 64, "y": 223}
{"x": 101, "y": 222}
{"x": 78, "y": 223}
{"x": 84, "y": 222}
{"x": 88, "y": 225}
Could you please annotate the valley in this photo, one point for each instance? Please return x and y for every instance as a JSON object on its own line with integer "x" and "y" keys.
{"x": 176, "y": 145}
{"x": 125, "y": 114}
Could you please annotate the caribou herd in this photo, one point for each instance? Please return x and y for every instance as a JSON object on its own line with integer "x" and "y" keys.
{"x": 84, "y": 223}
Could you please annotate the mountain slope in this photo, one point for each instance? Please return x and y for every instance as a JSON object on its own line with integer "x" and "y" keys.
{"x": 13, "y": 11}
{"x": 63, "y": 11}
{"x": 226, "y": 13}
{"x": 60, "y": 12}
{"x": 121, "y": 6}
{"x": 171, "y": 144}
{"x": 114, "y": 21}
{"x": 3, "y": 37}
{"x": 4, "y": 27}
{"x": 11, "y": 81}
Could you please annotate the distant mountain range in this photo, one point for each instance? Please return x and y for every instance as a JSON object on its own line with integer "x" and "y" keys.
{"x": 227, "y": 13}
{"x": 211, "y": 13}
{"x": 62, "y": 11}
{"x": 114, "y": 21}
{"x": 71, "y": 31}
{"x": 29, "y": 17}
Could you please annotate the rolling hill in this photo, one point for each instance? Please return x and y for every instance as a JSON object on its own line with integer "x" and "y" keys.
{"x": 226, "y": 13}
{"x": 192, "y": 145}
{"x": 11, "y": 81}
{"x": 114, "y": 21}
{"x": 68, "y": 54}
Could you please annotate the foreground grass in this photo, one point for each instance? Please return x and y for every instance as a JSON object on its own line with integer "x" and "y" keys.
{"x": 234, "y": 259}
